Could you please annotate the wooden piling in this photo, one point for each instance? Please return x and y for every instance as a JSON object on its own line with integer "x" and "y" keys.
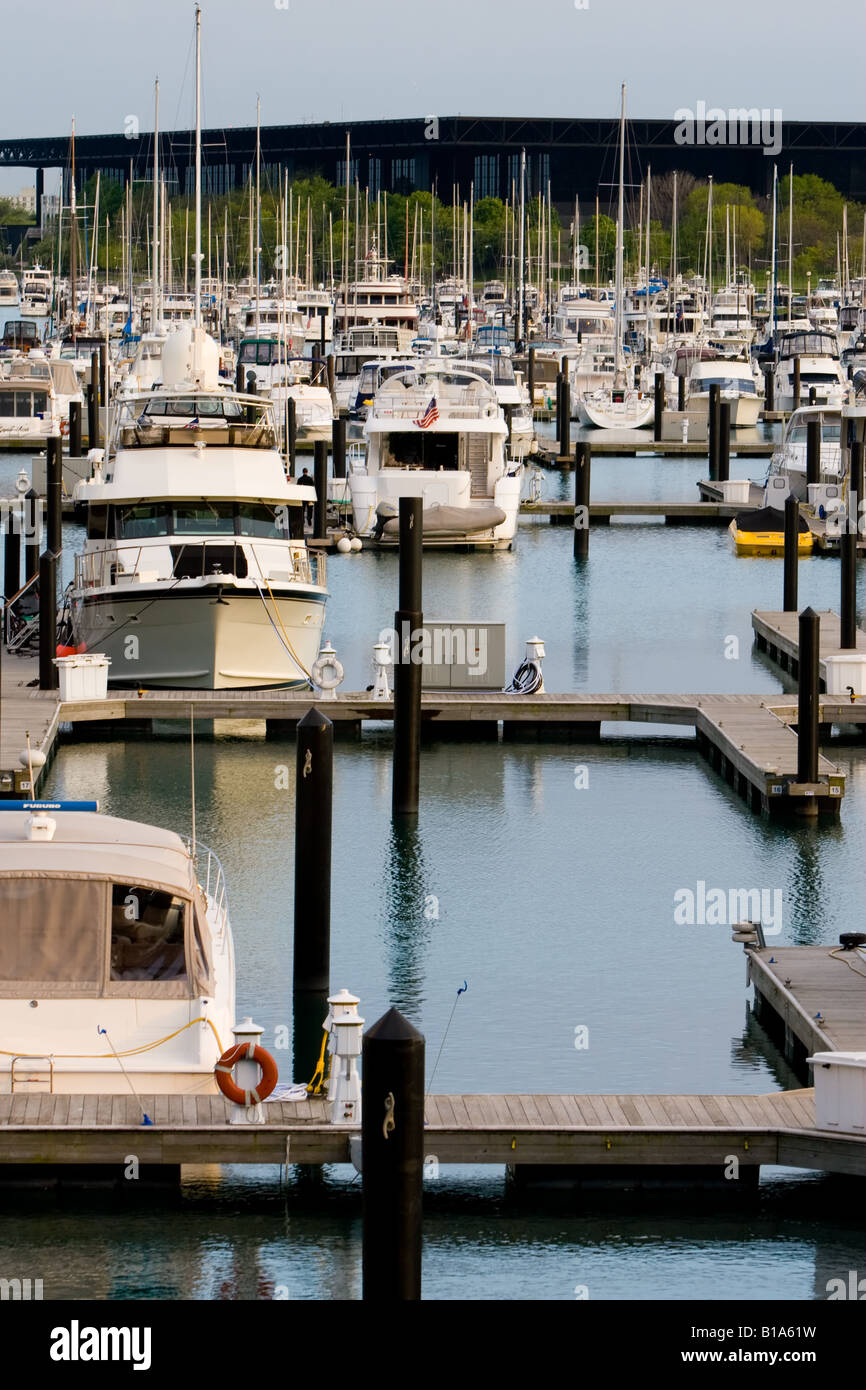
{"x": 582, "y": 469}
{"x": 320, "y": 477}
{"x": 407, "y": 672}
{"x": 47, "y": 621}
{"x": 808, "y": 704}
{"x": 791, "y": 560}
{"x": 314, "y": 779}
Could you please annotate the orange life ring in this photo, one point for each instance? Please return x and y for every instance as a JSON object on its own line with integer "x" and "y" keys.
{"x": 226, "y": 1064}
{"x": 64, "y": 426}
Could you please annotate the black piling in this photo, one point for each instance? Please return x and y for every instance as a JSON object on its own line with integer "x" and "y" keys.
{"x": 320, "y": 477}
{"x": 314, "y": 780}
{"x": 530, "y": 378}
{"x": 565, "y": 420}
{"x": 558, "y": 406}
{"x": 94, "y": 399}
{"x": 103, "y": 381}
{"x": 392, "y": 1138}
{"x": 813, "y": 395}
{"x": 582, "y": 468}
{"x": 239, "y": 378}
{"x": 75, "y": 429}
{"x": 338, "y": 446}
{"x": 47, "y": 621}
{"x": 323, "y": 334}
{"x": 54, "y": 494}
{"x": 808, "y": 711}
{"x": 813, "y": 451}
{"x": 32, "y": 527}
{"x": 331, "y": 385}
{"x": 724, "y": 455}
{"x": 659, "y": 405}
{"x": 769, "y": 390}
{"x": 848, "y": 611}
{"x": 792, "y": 541}
{"x": 12, "y": 554}
{"x": 713, "y": 433}
{"x": 408, "y": 619}
{"x": 796, "y": 386}
{"x": 292, "y": 417}
{"x": 92, "y": 418}
{"x": 681, "y": 393}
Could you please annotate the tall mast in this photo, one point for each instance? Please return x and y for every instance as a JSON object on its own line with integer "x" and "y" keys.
{"x": 649, "y": 175}
{"x": 790, "y": 241}
{"x": 620, "y": 215}
{"x": 521, "y": 294}
{"x": 258, "y": 208}
{"x": 773, "y": 257}
{"x": 155, "y": 306}
{"x": 198, "y": 166}
{"x": 73, "y": 238}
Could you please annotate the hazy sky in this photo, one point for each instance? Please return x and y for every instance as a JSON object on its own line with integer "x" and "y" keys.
{"x": 362, "y": 59}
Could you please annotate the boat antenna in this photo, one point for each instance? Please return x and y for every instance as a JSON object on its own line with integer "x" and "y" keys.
{"x": 192, "y": 775}
{"x": 198, "y": 166}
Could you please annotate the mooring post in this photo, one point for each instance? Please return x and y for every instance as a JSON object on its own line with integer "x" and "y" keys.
{"x": 724, "y": 464}
{"x": 408, "y": 620}
{"x": 92, "y": 433}
{"x": 792, "y": 543}
{"x": 338, "y": 445}
{"x": 808, "y": 711}
{"x": 75, "y": 429}
{"x": 565, "y": 420}
{"x": 558, "y": 407}
{"x": 323, "y": 334}
{"x": 658, "y": 406}
{"x": 314, "y": 781}
{"x": 530, "y": 378}
{"x": 769, "y": 390}
{"x": 848, "y": 550}
{"x": 331, "y": 382}
{"x": 795, "y": 402}
{"x": 320, "y": 477}
{"x": 681, "y": 393}
{"x": 813, "y": 395}
{"x": 47, "y": 621}
{"x": 713, "y": 432}
{"x": 582, "y": 468}
{"x": 813, "y": 452}
{"x": 12, "y": 553}
{"x": 53, "y": 490}
{"x": 93, "y": 401}
{"x": 32, "y": 528}
{"x": 392, "y": 1140}
{"x": 292, "y": 416}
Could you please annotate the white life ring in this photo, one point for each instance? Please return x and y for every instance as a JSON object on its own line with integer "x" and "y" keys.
{"x": 327, "y": 672}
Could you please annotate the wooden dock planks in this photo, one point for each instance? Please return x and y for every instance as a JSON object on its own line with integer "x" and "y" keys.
{"x": 800, "y": 982}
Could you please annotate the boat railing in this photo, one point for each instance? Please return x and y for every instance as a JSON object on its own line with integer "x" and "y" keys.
{"x": 208, "y": 867}
{"x": 122, "y": 564}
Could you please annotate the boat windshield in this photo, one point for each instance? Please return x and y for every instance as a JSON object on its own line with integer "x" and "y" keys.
{"x": 743, "y": 385}
{"x": 217, "y": 418}
{"x": 141, "y": 520}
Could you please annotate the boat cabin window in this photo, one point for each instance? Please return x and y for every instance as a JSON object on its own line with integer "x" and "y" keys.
{"x": 422, "y": 450}
{"x": 97, "y": 523}
{"x": 49, "y": 937}
{"x": 139, "y": 520}
{"x": 204, "y": 519}
{"x": 147, "y": 934}
{"x": 23, "y": 404}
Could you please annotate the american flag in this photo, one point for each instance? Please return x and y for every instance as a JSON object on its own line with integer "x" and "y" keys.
{"x": 430, "y": 415}
{"x": 193, "y": 424}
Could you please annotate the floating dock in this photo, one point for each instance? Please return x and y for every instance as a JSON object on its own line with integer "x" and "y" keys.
{"x": 746, "y": 738}
{"x": 778, "y": 635}
{"x": 671, "y": 513}
{"x": 810, "y": 998}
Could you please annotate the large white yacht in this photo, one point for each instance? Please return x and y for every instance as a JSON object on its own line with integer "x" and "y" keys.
{"x": 195, "y": 572}
{"x": 35, "y": 394}
{"x": 8, "y": 289}
{"x": 116, "y": 958}
{"x": 736, "y": 377}
{"x": 437, "y": 432}
{"x": 820, "y": 367}
{"x": 37, "y": 286}
{"x": 789, "y": 457}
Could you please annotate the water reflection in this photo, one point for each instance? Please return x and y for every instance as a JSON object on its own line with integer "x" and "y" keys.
{"x": 408, "y": 912}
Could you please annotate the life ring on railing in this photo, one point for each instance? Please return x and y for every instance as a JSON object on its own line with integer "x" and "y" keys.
{"x": 64, "y": 427}
{"x": 229, "y": 1060}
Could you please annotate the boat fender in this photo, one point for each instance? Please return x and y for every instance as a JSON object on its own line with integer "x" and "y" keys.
{"x": 226, "y": 1064}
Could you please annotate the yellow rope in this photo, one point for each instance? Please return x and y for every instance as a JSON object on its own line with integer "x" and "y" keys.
{"x": 132, "y": 1052}
{"x": 839, "y": 954}
{"x": 285, "y": 634}
{"x": 318, "y": 1080}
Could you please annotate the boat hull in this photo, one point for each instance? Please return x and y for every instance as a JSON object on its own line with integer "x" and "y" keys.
{"x": 633, "y": 412}
{"x": 767, "y": 542}
{"x": 216, "y": 637}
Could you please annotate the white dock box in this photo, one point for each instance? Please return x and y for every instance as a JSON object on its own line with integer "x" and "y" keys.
{"x": 848, "y": 668}
{"x": 840, "y": 1091}
{"x": 736, "y": 490}
{"x": 83, "y": 677}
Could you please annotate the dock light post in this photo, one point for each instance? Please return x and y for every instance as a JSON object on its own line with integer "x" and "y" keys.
{"x": 582, "y": 467}
{"x": 658, "y": 405}
{"x": 808, "y": 703}
{"x": 247, "y": 1075}
{"x": 320, "y": 477}
{"x": 408, "y": 619}
{"x": 344, "y": 1086}
{"x": 813, "y": 452}
{"x": 713, "y": 432}
{"x": 392, "y": 1137}
{"x": 791, "y": 560}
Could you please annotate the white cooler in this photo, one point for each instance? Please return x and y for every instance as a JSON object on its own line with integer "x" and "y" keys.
{"x": 840, "y": 1091}
{"x": 846, "y": 669}
{"x": 736, "y": 490}
{"x": 83, "y": 677}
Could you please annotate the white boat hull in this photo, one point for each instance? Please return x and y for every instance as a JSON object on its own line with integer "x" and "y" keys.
{"x": 633, "y": 412}
{"x": 211, "y": 637}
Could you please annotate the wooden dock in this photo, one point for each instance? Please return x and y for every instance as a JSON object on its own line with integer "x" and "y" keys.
{"x": 778, "y": 634}
{"x": 671, "y": 513}
{"x": 548, "y": 449}
{"x": 23, "y": 708}
{"x": 600, "y": 1132}
{"x": 810, "y": 998}
{"x": 746, "y": 738}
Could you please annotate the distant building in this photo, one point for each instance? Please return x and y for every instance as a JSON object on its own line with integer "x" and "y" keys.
{"x": 26, "y": 199}
{"x": 50, "y": 207}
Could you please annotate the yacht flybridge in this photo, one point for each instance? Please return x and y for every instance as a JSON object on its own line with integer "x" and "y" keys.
{"x": 116, "y": 956}
{"x": 195, "y": 572}
{"x": 436, "y": 431}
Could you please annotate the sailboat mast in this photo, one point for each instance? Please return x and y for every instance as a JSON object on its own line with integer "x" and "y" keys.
{"x": 620, "y": 215}
{"x": 773, "y": 256}
{"x": 73, "y": 239}
{"x": 155, "y": 306}
{"x": 790, "y": 240}
{"x": 521, "y": 296}
{"x": 258, "y": 207}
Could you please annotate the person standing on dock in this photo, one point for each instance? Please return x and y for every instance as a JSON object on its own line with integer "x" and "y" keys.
{"x": 306, "y": 481}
